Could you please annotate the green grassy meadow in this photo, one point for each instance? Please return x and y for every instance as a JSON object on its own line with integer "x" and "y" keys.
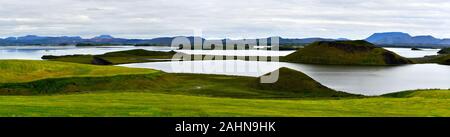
{"x": 51, "y": 88}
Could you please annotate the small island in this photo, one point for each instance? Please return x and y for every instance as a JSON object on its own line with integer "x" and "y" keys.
{"x": 358, "y": 52}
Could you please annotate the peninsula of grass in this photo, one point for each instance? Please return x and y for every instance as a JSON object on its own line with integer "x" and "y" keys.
{"x": 345, "y": 53}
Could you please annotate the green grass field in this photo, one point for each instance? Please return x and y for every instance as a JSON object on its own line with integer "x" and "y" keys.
{"x": 66, "y": 89}
{"x": 15, "y": 71}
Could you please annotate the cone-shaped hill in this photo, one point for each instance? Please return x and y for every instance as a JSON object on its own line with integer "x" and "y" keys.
{"x": 358, "y": 52}
{"x": 300, "y": 84}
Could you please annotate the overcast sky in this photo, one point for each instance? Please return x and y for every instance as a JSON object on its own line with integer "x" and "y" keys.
{"x": 355, "y": 19}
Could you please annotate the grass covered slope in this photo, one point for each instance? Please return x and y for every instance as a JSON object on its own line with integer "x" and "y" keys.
{"x": 298, "y": 82}
{"x": 444, "y": 51}
{"x": 16, "y": 71}
{"x": 151, "y": 104}
{"x": 442, "y": 94}
{"x": 117, "y": 91}
{"x": 443, "y": 59}
{"x": 159, "y": 82}
{"x": 114, "y": 58}
{"x": 345, "y": 53}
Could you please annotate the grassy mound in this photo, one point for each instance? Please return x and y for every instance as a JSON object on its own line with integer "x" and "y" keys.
{"x": 114, "y": 58}
{"x": 291, "y": 84}
{"x": 15, "y": 71}
{"x": 444, "y": 51}
{"x": 345, "y": 53}
{"x": 298, "y": 82}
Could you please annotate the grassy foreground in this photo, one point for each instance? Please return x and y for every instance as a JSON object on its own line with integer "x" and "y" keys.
{"x": 152, "y": 104}
{"x": 292, "y": 84}
{"x": 15, "y": 71}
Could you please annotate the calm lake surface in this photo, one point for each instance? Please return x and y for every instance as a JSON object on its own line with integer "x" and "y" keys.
{"x": 367, "y": 80}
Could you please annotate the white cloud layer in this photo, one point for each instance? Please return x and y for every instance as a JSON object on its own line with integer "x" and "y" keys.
{"x": 354, "y": 19}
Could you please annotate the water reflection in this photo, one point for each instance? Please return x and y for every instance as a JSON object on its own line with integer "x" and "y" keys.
{"x": 367, "y": 80}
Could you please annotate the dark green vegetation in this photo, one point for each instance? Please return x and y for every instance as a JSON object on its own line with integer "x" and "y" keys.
{"x": 345, "y": 53}
{"x": 54, "y": 89}
{"x": 444, "y": 51}
{"x": 443, "y": 59}
{"x": 415, "y": 49}
{"x": 113, "y": 58}
{"x": 297, "y": 82}
{"x": 144, "y": 45}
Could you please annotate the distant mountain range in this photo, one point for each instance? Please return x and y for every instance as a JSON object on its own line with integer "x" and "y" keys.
{"x": 382, "y": 39}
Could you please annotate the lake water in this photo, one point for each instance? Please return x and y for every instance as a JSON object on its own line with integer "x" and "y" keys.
{"x": 366, "y": 80}
{"x": 354, "y": 79}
